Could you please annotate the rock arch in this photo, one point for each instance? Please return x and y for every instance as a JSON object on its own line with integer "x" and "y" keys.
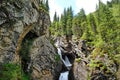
{"x": 26, "y": 30}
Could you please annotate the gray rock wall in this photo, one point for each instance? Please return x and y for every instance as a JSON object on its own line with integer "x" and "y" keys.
{"x": 15, "y": 16}
{"x": 17, "y": 19}
{"x": 42, "y": 59}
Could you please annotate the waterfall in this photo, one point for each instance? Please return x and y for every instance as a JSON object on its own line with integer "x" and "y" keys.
{"x": 66, "y": 61}
{"x": 63, "y": 75}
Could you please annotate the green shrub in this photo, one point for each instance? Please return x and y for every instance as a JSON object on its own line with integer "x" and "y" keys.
{"x": 93, "y": 64}
{"x": 10, "y": 71}
{"x": 117, "y": 58}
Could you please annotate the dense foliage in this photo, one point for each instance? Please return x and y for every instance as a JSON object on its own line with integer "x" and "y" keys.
{"x": 11, "y": 71}
{"x": 44, "y": 5}
{"x": 100, "y": 29}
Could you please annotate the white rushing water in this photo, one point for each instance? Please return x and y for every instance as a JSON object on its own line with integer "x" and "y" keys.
{"x": 66, "y": 61}
{"x": 64, "y": 75}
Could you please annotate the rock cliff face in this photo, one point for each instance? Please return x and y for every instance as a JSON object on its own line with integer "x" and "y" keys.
{"x": 19, "y": 18}
{"x": 42, "y": 59}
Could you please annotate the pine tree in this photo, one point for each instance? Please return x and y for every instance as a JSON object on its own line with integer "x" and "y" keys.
{"x": 69, "y": 21}
{"x": 79, "y": 24}
{"x": 83, "y": 20}
{"x": 82, "y": 15}
{"x": 47, "y": 5}
{"x": 100, "y": 28}
{"x": 107, "y": 29}
{"x": 76, "y": 27}
{"x": 63, "y": 22}
{"x": 55, "y": 17}
{"x": 92, "y": 23}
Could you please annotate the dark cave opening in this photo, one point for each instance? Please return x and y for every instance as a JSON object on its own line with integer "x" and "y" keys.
{"x": 24, "y": 51}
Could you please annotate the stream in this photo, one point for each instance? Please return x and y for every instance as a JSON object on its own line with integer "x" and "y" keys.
{"x": 64, "y": 75}
{"x": 66, "y": 62}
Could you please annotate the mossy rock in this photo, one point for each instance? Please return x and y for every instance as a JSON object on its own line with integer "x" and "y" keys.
{"x": 117, "y": 58}
{"x": 78, "y": 59}
{"x": 95, "y": 53}
{"x": 57, "y": 58}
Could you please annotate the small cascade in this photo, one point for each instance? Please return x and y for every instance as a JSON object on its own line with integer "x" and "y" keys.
{"x": 66, "y": 62}
{"x": 64, "y": 75}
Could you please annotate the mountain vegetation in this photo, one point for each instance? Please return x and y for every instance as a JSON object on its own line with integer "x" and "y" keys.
{"x": 100, "y": 29}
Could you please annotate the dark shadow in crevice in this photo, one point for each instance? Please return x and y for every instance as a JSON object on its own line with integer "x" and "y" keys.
{"x": 24, "y": 51}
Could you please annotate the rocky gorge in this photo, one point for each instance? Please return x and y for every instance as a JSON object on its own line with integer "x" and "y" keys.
{"x": 25, "y": 40}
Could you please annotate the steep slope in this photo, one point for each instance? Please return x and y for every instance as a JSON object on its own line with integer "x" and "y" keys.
{"x": 24, "y": 39}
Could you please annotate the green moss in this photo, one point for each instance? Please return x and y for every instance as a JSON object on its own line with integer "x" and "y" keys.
{"x": 78, "y": 59}
{"x": 93, "y": 64}
{"x": 26, "y": 45}
{"x": 57, "y": 58}
{"x": 118, "y": 73}
{"x": 108, "y": 71}
{"x": 25, "y": 53}
{"x": 52, "y": 42}
{"x": 95, "y": 53}
{"x": 97, "y": 64}
{"x": 88, "y": 76}
{"x": 10, "y": 71}
{"x": 117, "y": 58}
{"x": 25, "y": 76}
